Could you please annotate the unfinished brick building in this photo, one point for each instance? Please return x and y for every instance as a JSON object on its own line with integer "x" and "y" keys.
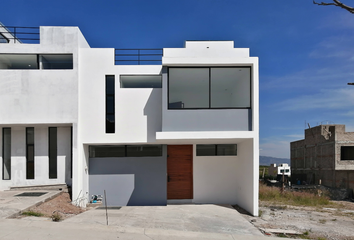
{"x": 326, "y": 154}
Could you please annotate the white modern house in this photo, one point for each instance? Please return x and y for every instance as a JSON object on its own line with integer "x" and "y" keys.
{"x": 281, "y": 169}
{"x": 183, "y": 131}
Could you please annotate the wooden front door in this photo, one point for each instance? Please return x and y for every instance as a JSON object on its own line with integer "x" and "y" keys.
{"x": 179, "y": 171}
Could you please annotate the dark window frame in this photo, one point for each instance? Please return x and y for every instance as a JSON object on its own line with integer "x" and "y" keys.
{"x": 110, "y": 126}
{"x": 5, "y": 38}
{"x": 38, "y": 65}
{"x": 126, "y": 155}
{"x": 30, "y": 173}
{"x": 138, "y": 75}
{"x": 209, "y": 108}
{"x": 215, "y": 150}
{"x": 3, "y": 154}
{"x": 349, "y": 148}
{"x": 53, "y": 158}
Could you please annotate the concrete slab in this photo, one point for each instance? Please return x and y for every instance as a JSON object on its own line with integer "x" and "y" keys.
{"x": 185, "y": 218}
{"x": 11, "y": 229}
{"x": 11, "y": 204}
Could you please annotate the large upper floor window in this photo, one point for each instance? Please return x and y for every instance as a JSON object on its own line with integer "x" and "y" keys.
{"x": 36, "y": 61}
{"x": 209, "y": 87}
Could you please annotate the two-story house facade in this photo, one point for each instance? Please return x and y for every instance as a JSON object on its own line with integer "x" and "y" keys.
{"x": 183, "y": 131}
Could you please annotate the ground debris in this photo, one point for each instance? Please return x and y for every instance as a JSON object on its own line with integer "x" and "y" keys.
{"x": 60, "y": 204}
{"x": 328, "y": 223}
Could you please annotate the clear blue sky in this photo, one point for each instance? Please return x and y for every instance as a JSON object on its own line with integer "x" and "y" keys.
{"x": 306, "y": 52}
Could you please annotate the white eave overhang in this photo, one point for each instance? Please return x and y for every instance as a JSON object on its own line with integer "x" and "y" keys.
{"x": 205, "y": 136}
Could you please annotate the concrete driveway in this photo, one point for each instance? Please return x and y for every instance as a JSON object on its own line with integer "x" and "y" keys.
{"x": 187, "y": 222}
{"x": 207, "y": 218}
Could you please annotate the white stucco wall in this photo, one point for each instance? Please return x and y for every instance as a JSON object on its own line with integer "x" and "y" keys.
{"x": 137, "y": 111}
{"x": 38, "y": 95}
{"x": 247, "y": 175}
{"x": 42, "y": 98}
{"x": 214, "y": 179}
{"x": 18, "y": 157}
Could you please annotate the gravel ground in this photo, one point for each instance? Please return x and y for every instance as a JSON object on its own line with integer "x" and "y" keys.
{"x": 60, "y": 204}
{"x": 335, "y": 222}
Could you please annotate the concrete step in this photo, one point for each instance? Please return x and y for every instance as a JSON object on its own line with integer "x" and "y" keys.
{"x": 58, "y": 187}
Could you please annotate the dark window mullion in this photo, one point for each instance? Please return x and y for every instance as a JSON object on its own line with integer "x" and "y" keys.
{"x": 209, "y": 88}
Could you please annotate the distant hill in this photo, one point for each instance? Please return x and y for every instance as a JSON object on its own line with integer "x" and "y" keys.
{"x": 266, "y": 161}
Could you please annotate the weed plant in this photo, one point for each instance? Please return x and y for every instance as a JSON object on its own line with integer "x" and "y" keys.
{"x": 273, "y": 194}
{"x": 32, "y": 213}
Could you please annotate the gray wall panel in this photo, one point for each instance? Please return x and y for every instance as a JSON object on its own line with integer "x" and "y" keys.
{"x": 132, "y": 181}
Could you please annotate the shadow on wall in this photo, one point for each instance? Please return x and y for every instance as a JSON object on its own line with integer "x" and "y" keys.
{"x": 153, "y": 113}
{"x": 130, "y": 181}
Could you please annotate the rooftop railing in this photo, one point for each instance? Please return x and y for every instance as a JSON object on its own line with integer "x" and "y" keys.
{"x": 135, "y": 56}
{"x": 19, "y": 34}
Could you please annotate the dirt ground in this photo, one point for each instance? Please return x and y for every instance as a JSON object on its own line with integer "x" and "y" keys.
{"x": 60, "y": 204}
{"x": 335, "y": 222}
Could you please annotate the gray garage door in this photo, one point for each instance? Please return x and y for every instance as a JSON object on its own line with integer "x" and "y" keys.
{"x": 129, "y": 181}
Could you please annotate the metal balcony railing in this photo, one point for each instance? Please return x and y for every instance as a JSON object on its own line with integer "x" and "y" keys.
{"x": 19, "y": 34}
{"x": 135, "y": 56}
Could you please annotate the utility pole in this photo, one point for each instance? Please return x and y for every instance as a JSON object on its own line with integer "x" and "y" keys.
{"x": 282, "y": 186}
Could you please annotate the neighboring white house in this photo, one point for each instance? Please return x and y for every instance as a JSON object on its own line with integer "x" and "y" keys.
{"x": 281, "y": 169}
{"x": 186, "y": 130}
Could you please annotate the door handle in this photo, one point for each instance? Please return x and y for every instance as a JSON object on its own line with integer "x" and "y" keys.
{"x": 168, "y": 178}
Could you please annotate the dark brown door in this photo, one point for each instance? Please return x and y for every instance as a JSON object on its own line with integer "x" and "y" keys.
{"x": 179, "y": 171}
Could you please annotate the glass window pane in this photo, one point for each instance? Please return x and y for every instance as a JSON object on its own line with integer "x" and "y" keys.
{"x": 206, "y": 150}
{"x": 110, "y": 111}
{"x": 57, "y": 61}
{"x": 141, "y": 81}
{"x": 188, "y": 88}
{"x": 230, "y": 87}
{"x": 18, "y": 61}
{"x": 110, "y": 84}
{"x": 144, "y": 150}
{"x": 6, "y": 151}
{"x": 110, "y": 105}
{"x": 347, "y": 152}
{"x": 107, "y": 151}
{"x": 110, "y": 124}
{"x": 226, "y": 149}
{"x": 30, "y": 135}
{"x": 30, "y": 153}
{"x": 53, "y": 152}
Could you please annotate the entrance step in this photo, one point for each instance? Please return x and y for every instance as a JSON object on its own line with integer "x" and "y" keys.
{"x": 179, "y": 201}
{"x": 57, "y": 187}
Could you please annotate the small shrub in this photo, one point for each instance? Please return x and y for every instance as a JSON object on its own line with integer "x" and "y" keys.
{"x": 32, "y": 213}
{"x": 56, "y": 217}
{"x": 260, "y": 213}
{"x": 281, "y": 235}
{"x": 305, "y": 235}
{"x": 323, "y": 221}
